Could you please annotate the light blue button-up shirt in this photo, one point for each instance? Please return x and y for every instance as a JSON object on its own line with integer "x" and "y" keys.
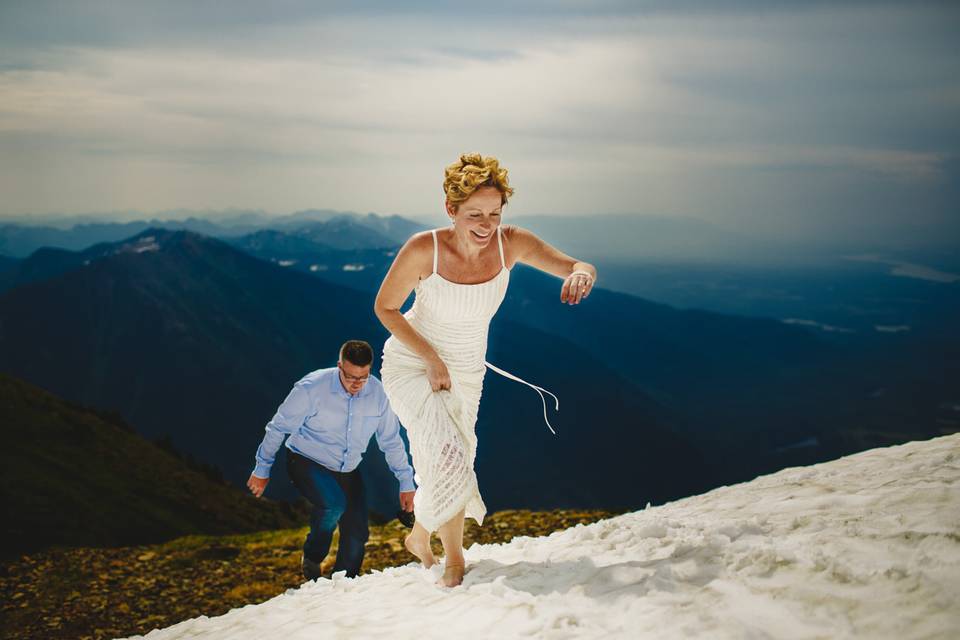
{"x": 333, "y": 428}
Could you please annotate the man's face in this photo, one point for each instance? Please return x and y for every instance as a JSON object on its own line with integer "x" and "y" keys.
{"x": 352, "y": 376}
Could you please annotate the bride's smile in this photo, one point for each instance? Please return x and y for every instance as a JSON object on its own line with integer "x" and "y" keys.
{"x": 476, "y": 219}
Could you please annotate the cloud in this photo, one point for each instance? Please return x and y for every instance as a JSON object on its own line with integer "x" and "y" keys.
{"x": 790, "y": 116}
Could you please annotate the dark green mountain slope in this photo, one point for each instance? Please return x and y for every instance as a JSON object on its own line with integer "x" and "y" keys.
{"x": 77, "y": 477}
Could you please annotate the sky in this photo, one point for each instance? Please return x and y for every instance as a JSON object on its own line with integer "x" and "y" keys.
{"x": 800, "y": 119}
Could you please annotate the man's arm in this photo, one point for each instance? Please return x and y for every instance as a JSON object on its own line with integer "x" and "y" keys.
{"x": 289, "y": 417}
{"x": 390, "y": 442}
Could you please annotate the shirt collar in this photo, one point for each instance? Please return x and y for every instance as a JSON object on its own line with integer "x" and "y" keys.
{"x": 336, "y": 387}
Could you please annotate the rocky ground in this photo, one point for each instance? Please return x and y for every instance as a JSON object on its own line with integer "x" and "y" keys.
{"x": 108, "y": 593}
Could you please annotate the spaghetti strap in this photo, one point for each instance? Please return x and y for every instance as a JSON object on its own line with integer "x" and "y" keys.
{"x": 507, "y": 374}
{"x": 503, "y": 262}
{"x": 433, "y": 232}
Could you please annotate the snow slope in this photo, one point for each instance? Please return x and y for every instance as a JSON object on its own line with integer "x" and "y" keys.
{"x": 866, "y": 546}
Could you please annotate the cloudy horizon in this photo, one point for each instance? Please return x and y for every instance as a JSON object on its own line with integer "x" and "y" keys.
{"x": 807, "y": 119}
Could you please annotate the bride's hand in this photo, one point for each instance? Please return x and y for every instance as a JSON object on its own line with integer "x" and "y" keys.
{"x": 576, "y": 287}
{"x": 438, "y": 375}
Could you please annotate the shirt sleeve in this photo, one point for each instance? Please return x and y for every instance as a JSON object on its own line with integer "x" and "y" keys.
{"x": 289, "y": 417}
{"x": 390, "y": 442}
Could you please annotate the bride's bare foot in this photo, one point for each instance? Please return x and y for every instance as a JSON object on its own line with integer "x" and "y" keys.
{"x": 420, "y": 547}
{"x": 452, "y": 575}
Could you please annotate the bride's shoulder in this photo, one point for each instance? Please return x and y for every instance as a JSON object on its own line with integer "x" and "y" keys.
{"x": 418, "y": 247}
{"x": 420, "y": 241}
{"x": 512, "y": 232}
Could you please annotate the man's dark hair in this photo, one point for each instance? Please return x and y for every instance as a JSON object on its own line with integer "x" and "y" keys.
{"x": 356, "y": 352}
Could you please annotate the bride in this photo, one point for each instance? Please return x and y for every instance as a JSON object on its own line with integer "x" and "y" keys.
{"x": 434, "y": 360}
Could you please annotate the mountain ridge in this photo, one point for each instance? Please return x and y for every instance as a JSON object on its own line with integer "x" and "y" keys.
{"x": 188, "y": 337}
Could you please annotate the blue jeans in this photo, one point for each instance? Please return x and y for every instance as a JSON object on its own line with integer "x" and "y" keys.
{"x": 337, "y": 498}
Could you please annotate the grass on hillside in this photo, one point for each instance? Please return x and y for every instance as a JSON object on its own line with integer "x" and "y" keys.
{"x": 98, "y": 593}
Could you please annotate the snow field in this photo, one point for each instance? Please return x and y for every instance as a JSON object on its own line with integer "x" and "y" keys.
{"x": 867, "y": 546}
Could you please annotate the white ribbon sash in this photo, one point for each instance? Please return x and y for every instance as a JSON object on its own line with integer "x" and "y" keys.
{"x": 540, "y": 390}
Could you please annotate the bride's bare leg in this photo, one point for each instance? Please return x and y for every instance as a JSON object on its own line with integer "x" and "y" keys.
{"x": 451, "y": 535}
{"x": 418, "y": 543}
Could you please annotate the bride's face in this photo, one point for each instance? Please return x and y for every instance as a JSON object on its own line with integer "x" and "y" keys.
{"x": 477, "y": 217}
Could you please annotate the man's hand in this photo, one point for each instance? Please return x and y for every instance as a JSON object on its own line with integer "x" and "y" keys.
{"x": 257, "y": 485}
{"x": 406, "y": 500}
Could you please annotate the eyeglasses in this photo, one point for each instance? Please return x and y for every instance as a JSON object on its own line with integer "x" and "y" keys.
{"x": 350, "y": 378}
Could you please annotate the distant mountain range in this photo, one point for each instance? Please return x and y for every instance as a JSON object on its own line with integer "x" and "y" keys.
{"x": 610, "y": 237}
{"x": 322, "y": 228}
{"x": 597, "y": 237}
{"x": 311, "y": 241}
{"x": 677, "y": 239}
{"x": 78, "y": 476}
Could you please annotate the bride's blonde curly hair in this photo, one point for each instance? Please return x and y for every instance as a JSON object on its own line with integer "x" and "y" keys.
{"x": 470, "y": 173}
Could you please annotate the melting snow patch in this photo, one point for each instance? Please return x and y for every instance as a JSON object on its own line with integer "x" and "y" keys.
{"x": 910, "y": 269}
{"x": 818, "y": 325}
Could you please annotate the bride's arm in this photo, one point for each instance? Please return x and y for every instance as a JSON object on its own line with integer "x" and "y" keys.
{"x": 579, "y": 277}
{"x": 413, "y": 261}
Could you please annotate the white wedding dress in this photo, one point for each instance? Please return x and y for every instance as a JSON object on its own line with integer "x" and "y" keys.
{"x": 454, "y": 318}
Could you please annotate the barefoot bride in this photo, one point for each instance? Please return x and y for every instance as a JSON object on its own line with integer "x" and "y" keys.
{"x": 434, "y": 360}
